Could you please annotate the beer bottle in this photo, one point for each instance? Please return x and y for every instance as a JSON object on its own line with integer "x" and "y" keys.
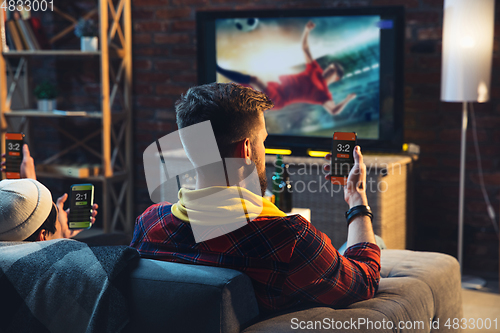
{"x": 285, "y": 199}
{"x": 277, "y": 179}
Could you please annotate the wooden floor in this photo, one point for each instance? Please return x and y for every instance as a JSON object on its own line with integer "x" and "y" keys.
{"x": 482, "y": 304}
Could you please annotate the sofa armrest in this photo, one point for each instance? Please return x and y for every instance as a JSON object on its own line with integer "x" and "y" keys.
{"x": 415, "y": 287}
{"x": 189, "y": 298}
{"x": 441, "y": 272}
{"x": 399, "y": 301}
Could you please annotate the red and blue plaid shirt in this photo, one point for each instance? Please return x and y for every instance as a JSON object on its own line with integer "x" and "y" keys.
{"x": 287, "y": 258}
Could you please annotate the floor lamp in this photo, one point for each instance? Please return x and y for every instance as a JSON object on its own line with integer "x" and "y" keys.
{"x": 465, "y": 76}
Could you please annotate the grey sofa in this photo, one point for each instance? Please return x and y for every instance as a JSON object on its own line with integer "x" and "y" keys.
{"x": 417, "y": 290}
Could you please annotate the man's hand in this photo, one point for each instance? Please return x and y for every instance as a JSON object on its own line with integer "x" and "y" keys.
{"x": 355, "y": 190}
{"x": 360, "y": 228}
{"x": 27, "y": 165}
{"x": 63, "y": 217}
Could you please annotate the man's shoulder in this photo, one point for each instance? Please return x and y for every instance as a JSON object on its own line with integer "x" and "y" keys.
{"x": 157, "y": 210}
{"x": 163, "y": 212}
{"x": 295, "y": 222}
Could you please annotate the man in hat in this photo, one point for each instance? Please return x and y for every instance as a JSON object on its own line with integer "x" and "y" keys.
{"x": 27, "y": 211}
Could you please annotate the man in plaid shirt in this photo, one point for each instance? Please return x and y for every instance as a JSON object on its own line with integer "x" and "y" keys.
{"x": 289, "y": 261}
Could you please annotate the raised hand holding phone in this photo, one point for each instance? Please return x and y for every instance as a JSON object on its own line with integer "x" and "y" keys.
{"x": 360, "y": 230}
{"x": 63, "y": 217}
{"x": 342, "y": 157}
{"x": 82, "y": 200}
{"x": 27, "y": 168}
{"x": 355, "y": 189}
{"x": 347, "y": 168}
{"x": 14, "y": 143}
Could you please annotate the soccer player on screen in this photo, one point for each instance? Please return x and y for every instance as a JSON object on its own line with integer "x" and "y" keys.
{"x": 309, "y": 86}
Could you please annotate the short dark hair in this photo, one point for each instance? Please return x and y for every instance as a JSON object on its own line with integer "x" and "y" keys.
{"x": 49, "y": 224}
{"x": 232, "y": 109}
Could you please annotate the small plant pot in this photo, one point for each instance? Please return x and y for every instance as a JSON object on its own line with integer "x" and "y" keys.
{"x": 47, "y": 105}
{"x": 88, "y": 43}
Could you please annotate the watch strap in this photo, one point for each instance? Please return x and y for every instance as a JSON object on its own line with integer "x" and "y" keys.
{"x": 357, "y": 211}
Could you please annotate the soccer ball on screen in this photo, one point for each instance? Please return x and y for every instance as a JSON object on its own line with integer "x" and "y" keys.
{"x": 246, "y": 24}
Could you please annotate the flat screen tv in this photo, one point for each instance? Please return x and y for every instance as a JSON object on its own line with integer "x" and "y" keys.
{"x": 326, "y": 70}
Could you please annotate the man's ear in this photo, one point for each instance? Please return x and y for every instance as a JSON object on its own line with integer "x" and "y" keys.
{"x": 243, "y": 150}
{"x": 42, "y": 235}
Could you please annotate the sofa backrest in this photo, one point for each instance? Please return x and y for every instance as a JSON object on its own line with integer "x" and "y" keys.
{"x": 176, "y": 297}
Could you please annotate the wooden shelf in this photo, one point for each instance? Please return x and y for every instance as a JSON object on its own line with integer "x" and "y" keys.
{"x": 36, "y": 113}
{"x": 100, "y": 178}
{"x": 112, "y": 128}
{"x": 51, "y": 53}
{"x": 113, "y": 52}
{"x": 116, "y": 116}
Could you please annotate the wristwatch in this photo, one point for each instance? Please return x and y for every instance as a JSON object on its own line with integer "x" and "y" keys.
{"x": 356, "y": 211}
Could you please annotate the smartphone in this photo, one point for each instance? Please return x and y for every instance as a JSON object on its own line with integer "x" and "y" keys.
{"x": 14, "y": 155}
{"x": 82, "y": 200}
{"x": 342, "y": 156}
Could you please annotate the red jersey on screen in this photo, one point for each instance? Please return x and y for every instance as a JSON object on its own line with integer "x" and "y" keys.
{"x": 308, "y": 86}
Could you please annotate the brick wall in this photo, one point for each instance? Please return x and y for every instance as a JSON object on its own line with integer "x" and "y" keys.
{"x": 164, "y": 52}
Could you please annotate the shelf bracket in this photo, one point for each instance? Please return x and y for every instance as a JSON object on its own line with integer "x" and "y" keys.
{"x": 73, "y": 21}
{"x": 116, "y": 15}
{"x": 75, "y": 145}
{"x": 23, "y": 64}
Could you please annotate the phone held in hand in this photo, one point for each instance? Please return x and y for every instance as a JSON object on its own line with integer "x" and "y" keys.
{"x": 14, "y": 155}
{"x": 82, "y": 200}
{"x": 342, "y": 156}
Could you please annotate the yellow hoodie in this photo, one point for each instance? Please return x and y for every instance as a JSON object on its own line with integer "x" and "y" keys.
{"x": 220, "y": 205}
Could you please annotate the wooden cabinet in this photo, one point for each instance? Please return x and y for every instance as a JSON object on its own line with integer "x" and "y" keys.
{"x": 389, "y": 191}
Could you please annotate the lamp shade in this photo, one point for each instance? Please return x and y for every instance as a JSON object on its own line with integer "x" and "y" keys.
{"x": 467, "y": 50}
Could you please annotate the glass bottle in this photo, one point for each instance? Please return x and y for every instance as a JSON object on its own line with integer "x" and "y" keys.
{"x": 277, "y": 179}
{"x": 285, "y": 196}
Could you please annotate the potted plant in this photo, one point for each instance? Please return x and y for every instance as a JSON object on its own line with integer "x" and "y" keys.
{"x": 46, "y": 94}
{"x": 87, "y": 31}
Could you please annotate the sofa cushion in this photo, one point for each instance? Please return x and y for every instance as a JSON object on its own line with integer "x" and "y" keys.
{"x": 176, "y": 297}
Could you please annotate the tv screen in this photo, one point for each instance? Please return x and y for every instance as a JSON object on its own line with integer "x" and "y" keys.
{"x": 335, "y": 70}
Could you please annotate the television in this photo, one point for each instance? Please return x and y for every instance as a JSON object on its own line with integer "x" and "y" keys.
{"x": 326, "y": 70}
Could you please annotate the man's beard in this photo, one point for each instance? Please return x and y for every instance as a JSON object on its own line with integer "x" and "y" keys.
{"x": 260, "y": 173}
{"x": 262, "y": 180}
